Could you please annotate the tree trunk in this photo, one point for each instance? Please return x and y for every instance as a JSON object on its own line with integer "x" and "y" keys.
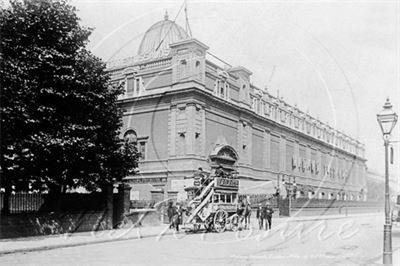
{"x": 53, "y": 200}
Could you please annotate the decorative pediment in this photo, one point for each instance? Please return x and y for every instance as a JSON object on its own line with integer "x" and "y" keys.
{"x": 131, "y": 70}
{"x": 224, "y": 152}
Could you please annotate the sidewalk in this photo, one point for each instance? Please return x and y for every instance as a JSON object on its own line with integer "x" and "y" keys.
{"x": 48, "y": 242}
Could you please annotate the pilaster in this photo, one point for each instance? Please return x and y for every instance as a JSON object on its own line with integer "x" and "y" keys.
{"x": 319, "y": 163}
{"x": 172, "y": 131}
{"x": 190, "y": 128}
{"x": 282, "y": 153}
{"x": 249, "y": 144}
{"x": 308, "y": 161}
{"x": 203, "y": 131}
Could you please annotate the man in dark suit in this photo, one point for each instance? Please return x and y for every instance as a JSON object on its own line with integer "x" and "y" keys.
{"x": 219, "y": 172}
{"x": 260, "y": 216}
{"x": 177, "y": 219}
{"x": 170, "y": 212}
{"x": 268, "y": 215}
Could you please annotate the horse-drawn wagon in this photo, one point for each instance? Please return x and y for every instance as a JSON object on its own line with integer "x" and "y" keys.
{"x": 213, "y": 204}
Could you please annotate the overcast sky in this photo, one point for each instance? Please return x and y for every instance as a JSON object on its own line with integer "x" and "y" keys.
{"x": 337, "y": 59}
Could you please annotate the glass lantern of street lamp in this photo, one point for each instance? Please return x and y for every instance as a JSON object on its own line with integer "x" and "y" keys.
{"x": 387, "y": 119}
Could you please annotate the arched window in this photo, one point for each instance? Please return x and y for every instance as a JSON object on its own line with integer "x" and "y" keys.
{"x": 221, "y": 88}
{"x": 130, "y": 136}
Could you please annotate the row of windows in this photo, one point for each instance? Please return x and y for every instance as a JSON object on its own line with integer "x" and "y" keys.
{"x": 323, "y": 195}
{"x": 265, "y": 109}
{"x": 340, "y": 172}
{"x": 133, "y": 86}
{"x": 223, "y": 198}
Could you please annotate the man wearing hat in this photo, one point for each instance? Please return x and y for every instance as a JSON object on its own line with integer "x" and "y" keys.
{"x": 220, "y": 171}
{"x": 268, "y": 211}
{"x": 260, "y": 216}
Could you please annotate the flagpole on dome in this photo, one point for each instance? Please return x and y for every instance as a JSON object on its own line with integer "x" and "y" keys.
{"x": 188, "y": 30}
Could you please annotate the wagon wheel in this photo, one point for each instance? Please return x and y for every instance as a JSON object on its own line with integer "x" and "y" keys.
{"x": 220, "y": 220}
{"x": 235, "y": 222}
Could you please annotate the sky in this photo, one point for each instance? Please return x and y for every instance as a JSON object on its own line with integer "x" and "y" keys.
{"x": 339, "y": 60}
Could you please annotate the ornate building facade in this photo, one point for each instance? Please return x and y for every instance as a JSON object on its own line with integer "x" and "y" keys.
{"x": 183, "y": 109}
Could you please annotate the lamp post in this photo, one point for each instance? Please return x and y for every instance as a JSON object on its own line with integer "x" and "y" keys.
{"x": 289, "y": 185}
{"x": 387, "y": 120}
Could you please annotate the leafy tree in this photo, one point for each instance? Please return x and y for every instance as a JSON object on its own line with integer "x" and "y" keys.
{"x": 59, "y": 117}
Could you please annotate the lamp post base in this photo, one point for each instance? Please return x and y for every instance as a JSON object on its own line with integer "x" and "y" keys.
{"x": 387, "y": 244}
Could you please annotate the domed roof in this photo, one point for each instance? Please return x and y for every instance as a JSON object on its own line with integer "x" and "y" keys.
{"x": 157, "y": 39}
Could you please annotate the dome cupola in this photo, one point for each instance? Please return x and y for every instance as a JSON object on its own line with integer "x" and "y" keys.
{"x": 156, "y": 40}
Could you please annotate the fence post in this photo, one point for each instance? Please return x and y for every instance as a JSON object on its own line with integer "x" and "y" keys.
{"x": 123, "y": 202}
{"x": 109, "y": 205}
{"x": 126, "y": 198}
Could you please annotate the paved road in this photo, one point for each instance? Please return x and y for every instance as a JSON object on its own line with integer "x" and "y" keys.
{"x": 346, "y": 241}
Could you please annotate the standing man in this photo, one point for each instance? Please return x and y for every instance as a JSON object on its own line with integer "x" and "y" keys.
{"x": 199, "y": 180}
{"x": 178, "y": 216}
{"x": 170, "y": 212}
{"x": 220, "y": 171}
{"x": 240, "y": 211}
{"x": 260, "y": 216}
{"x": 268, "y": 215}
{"x": 247, "y": 215}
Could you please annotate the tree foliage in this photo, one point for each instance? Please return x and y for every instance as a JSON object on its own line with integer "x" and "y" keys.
{"x": 59, "y": 117}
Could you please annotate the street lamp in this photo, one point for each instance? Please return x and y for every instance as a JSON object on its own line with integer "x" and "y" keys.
{"x": 290, "y": 186}
{"x": 387, "y": 120}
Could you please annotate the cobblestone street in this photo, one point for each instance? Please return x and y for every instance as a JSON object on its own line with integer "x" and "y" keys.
{"x": 346, "y": 241}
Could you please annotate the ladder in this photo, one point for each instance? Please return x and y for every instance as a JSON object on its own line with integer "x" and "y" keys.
{"x": 203, "y": 198}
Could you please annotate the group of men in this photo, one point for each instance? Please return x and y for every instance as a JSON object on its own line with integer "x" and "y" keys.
{"x": 202, "y": 179}
{"x": 174, "y": 215}
{"x": 264, "y": 216}
{"x": 244, "y": 213}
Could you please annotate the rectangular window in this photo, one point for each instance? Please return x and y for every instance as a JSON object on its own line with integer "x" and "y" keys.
{"x": 137, "y": 86}
{"x": 257, "y": 107}
{"x": 283, "y": 116}
{"x": 227, "y": 90}
{"x": 228, "y": 198}
{"x": 130, "y": 84}
{"x": 142, "y": 150}
{"x": 216, "y": 86}
{"x": 222, "y": 198}
{"x": 267, "y": 109}
{"x": 221, "y": 89}
{"x": 216, "y": 198}
{"x": 275, "y": 153}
